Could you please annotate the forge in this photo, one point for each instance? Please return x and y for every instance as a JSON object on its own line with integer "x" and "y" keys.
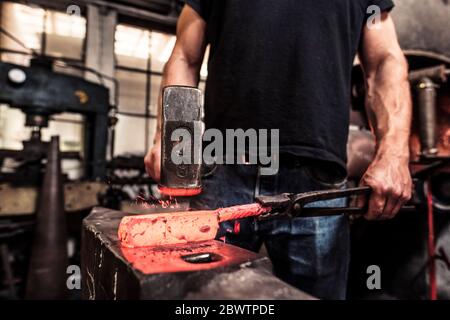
{"x": 202, "y": 270}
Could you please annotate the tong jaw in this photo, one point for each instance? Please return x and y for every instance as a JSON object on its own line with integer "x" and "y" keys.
{"x": 279, "y": 204}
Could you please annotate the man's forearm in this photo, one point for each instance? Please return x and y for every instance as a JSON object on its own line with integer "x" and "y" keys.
{"x": 389, "y": 107}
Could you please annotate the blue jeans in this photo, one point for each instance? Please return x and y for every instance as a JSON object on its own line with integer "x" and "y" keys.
{"x": 311, "y": 254}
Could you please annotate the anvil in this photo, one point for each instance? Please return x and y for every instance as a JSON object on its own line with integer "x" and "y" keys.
{"x": 203, "y": 270}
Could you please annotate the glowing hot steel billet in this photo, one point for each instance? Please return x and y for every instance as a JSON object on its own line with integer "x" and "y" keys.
{"x": 180, "y": 227}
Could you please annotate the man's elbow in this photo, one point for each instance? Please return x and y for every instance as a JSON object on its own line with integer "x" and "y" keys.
{"x": 179, "y": 62}
{"x": 392, "y": 67}
{"x": 396, "y": 66}
{"x": 402, "y": 66}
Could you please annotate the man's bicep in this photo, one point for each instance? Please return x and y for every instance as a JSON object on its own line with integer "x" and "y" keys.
{"x": 378, "y": 42}
{"x": 191, "y": 36}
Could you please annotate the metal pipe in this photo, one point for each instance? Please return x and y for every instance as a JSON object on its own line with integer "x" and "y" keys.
{"x": 426, "y": 98}
{"x": 8, "y": 271}
{"x": 436, "y": 73}
{"x": 148, "y": 90}
{"x": 47, "y": 270}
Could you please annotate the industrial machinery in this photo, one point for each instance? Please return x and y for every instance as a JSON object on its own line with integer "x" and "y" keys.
{"x": 37, "y": 185}
{"x": 40, "y": 92}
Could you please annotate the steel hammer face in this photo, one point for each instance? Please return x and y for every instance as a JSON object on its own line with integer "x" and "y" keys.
{"x": 181, "y": 141}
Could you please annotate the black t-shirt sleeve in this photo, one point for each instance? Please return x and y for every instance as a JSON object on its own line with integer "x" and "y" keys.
{"x": 384, "y": 5}
{"x": 202, "y": 7}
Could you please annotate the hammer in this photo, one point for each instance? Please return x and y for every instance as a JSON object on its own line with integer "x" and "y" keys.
{"x": 181, "y": 141}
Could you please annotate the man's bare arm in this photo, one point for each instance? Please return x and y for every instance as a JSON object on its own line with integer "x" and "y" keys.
{"x": 182, "y": 68}
{"x": 389, "y": 109}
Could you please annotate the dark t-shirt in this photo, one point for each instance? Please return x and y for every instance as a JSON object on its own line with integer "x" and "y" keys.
{"x": 284, "y": 64}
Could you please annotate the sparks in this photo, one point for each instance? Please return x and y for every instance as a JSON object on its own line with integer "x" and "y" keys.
{"x": 152, "y": 202}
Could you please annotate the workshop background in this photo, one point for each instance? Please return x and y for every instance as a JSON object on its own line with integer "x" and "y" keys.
{"x": 79, "y": 83}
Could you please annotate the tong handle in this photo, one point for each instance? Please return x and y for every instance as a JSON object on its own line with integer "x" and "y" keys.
{"x": 298, "y": 209}
{"x": 288, "y": 202}
{"x": 302, "y": 199}
{"x": 294, "y": 205}
{"x": 299, "y": 201}
{"x": 351, "y": 211}
{"x": 324, "y": 212}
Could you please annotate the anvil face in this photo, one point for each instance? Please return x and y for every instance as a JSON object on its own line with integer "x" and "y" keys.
{"x": 186, "y": 258}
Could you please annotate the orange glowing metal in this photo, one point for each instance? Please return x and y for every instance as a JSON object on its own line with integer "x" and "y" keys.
{"x": 174, "y": 192}
{"x": 180, "y": 227}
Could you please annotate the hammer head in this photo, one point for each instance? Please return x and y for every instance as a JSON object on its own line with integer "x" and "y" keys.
{"x": 181, "y": 141}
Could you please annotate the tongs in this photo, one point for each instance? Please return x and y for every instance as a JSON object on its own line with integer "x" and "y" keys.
{"x": 299, "y": 205}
